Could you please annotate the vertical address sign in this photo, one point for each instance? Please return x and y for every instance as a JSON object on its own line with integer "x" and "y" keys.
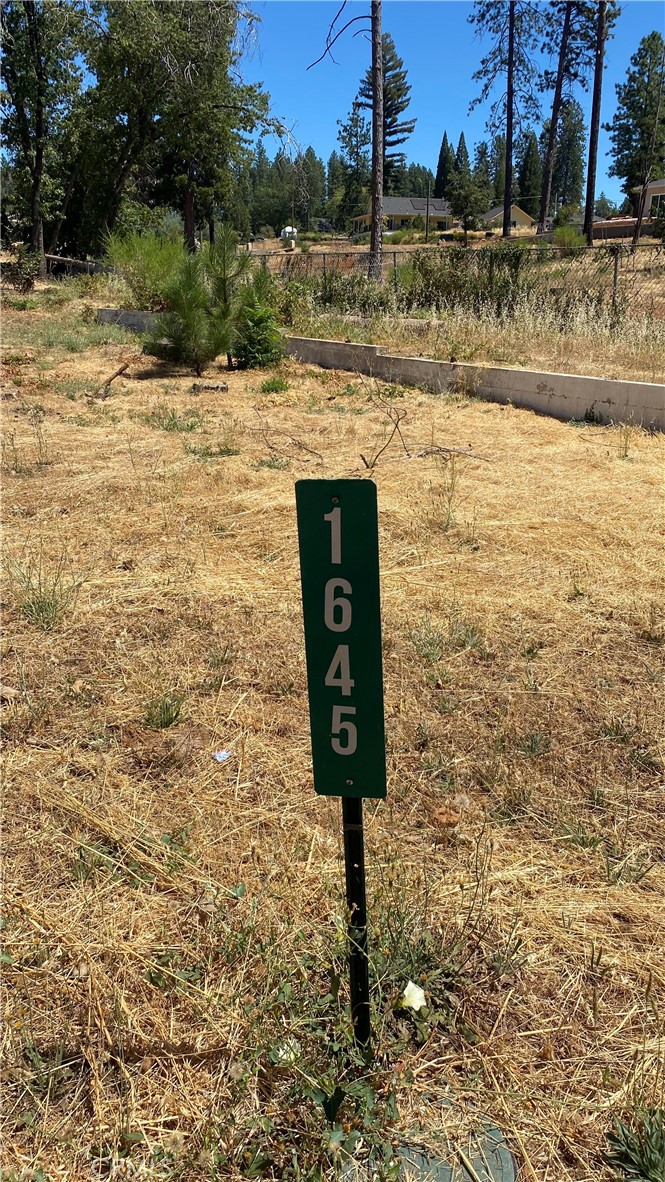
{"x": 339, "y": 567}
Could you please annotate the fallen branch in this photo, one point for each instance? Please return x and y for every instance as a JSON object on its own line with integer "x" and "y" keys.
{"x": 102, "y": 392}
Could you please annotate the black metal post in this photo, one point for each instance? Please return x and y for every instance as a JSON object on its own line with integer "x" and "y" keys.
{"x": 354, "y": 860}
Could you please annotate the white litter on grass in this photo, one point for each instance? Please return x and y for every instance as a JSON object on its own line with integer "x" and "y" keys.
{"x": 288, "y": 1051}
{"x": 413, "y": 997}
{"x": 221, "y": 756}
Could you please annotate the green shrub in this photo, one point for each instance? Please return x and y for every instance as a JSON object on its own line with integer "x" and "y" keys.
{"x": 274, "y": 386}
{"x": 147, "y": 263}
{"x": 22, "y": 270}
{"x": 195, "y": 331}
{"x": 258, "y": 340}
{"x": 569, "y": 239}
{"x": 203, "y": 303}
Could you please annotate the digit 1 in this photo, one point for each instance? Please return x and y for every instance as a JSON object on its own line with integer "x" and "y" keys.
{"x": 335, "y": 519}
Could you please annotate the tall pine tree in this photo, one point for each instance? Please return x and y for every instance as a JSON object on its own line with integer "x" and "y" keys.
{"x": 514, "y": 28}
{"x": 530, "y": 175}
{"x": 445, "y": 167}
{"x": 637, "y": 131}
{"x": 462, "y": 162}
{"x": 396, "y": 91}
{"x": 568, "y": 172}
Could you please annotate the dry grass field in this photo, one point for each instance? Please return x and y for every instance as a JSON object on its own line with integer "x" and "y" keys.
{"x": 175, "y": 992}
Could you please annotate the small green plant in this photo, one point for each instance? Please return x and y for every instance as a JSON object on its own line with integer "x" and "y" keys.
{"x": 212, "y": 451}
{"x": 43, "y": 595}
{"x": 278, "y": 463}
{"x": 428, "y": 640}
{"x": 164, "y": 710}
{"x": 167, "y": 419}
{"x": 274, "y": 386}
{"x": 638, "y": 1148}
{"x": 569, "y": 240}
{"x": 533, "y": 745}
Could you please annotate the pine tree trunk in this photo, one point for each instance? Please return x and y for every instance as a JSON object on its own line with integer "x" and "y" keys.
{"x": 548, "y": 164}
{"x": 376, "y": 235}
{"x": 211, "y": 230}
{"x": 595, "y": 122}
{"x": 37, "y": 167}
{"x": 510, "y": 102}
{"x": 189, "y": 216}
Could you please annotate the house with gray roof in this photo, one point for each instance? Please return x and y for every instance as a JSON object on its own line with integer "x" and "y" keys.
{"x": 399, "y": 213}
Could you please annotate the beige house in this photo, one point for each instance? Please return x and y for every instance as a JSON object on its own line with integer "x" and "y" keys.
{"x": 518, "y": 218}
{"x": 399, "y": 213}
{"x": 654, "y": 206}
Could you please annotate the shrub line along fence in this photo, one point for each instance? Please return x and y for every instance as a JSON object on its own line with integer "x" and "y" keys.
{"x": 563, "y": 396}
{"x": 613, "y": 276}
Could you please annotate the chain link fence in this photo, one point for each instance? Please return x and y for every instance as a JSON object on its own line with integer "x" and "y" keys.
{"x": 616, "y": 277}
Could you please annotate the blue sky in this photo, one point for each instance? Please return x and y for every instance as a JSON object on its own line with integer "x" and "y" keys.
{"x": 440, "y": 52}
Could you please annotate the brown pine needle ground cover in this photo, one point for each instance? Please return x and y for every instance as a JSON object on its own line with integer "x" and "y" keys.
{"x": 175, "y": 992}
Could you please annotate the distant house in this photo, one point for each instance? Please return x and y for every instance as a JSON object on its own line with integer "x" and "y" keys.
{"x": 654, "y": 206}
{"x": 518, "y": 218}
{"x": 400, "y": 213}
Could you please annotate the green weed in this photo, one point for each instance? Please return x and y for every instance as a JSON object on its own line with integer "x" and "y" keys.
{"x": 274, "y": 386}
{"x": 43, "y": 596}
{"x": 166, "y": 418}
{"x": 164, "y": 710}
{"x": 638, "y": 1148}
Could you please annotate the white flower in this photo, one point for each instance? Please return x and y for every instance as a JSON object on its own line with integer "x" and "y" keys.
{"x": 413, "y": 997}
{"x": 288, "y": 1051}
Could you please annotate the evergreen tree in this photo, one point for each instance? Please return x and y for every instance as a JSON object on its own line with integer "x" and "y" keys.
{"x": 530, "y": 175}
{"x": 445, "y": 167}
{"x": 515, "y": 27}
{"x": 468, "y": 201}
{"x": 604, "y": 208}
{"x": 462, "y": 162}
{"x": 498, "y": 168}
{"x": 396, "y": 91}
{"x": 482, "y": 168}
{"x": 570, "y": 36}
{"x": 568, "y": 172}
{"x": 637, "y": 131}
{"x": 355, "y": 137}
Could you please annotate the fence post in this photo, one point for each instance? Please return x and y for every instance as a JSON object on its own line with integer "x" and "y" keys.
{"x": 264, "y": 262}
{"x": 615, "y": 279}
{"x": 325, "y": 282}
{"x": 395, "y": 267}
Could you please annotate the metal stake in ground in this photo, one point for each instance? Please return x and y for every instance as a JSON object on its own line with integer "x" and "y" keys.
{"x": 339, "y": 567}
{"x": 354, "y": 863}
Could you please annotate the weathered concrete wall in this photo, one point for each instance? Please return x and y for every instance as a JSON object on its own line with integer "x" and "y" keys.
{"x": 135, "y": 321}
{"x": 564, "y": 396}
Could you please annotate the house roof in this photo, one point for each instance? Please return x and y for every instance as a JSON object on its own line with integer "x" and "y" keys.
{"x": 498, "y": 210}
{"x": 413, "y": 206}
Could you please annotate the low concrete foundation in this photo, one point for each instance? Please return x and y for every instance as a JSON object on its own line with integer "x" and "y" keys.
{"x": 135, "y": 321}
{"x": 563, "y": 396}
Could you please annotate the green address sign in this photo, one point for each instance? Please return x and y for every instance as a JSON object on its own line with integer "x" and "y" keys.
{"x": 339, "y": 567}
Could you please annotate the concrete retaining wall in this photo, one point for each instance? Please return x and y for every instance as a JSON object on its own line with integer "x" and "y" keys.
{"x": 564, "y": 396}
{"x": 135, "y": 321}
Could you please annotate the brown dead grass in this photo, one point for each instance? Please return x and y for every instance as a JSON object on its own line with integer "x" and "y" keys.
{"x": 522, "y": 593}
